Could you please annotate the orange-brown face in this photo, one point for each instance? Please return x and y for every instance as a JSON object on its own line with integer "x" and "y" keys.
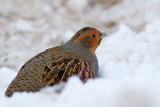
{"x": 94, "y": 39}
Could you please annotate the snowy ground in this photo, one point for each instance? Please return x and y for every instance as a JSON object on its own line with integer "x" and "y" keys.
{"x": 129, "y": 58}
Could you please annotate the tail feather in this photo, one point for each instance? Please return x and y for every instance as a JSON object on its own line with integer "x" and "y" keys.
{"x": 24, "y": 83}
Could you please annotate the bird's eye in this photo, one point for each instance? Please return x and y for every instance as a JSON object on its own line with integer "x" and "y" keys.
{"x": 93, "y": 35}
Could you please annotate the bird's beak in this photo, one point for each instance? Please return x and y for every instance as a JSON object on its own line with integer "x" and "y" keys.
{"x": 103, "y": 35}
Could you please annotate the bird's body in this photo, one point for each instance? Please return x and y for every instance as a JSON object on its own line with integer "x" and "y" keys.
{"x": 58, "y": 63}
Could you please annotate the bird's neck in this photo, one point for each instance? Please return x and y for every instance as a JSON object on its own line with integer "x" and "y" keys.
{"x": 78, "y": 49}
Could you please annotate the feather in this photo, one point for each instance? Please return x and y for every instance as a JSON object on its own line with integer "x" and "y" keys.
{"x": 59, "y": 70}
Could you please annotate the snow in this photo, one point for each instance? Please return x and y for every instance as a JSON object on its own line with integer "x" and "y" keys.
{"x": 22, "y": 25}
{"x": 128, "y": 58}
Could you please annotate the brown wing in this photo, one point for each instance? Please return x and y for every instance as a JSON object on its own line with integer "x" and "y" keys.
{"x": 60, "y": 69}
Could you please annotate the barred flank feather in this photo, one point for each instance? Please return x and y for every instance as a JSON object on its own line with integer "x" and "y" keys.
{"x": 60, "y": 69}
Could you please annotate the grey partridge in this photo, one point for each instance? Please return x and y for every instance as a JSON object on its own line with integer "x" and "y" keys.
{"x": 75, "y": 57}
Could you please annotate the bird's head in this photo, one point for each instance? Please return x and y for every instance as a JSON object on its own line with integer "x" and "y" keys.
{"x": 88, "y": 37}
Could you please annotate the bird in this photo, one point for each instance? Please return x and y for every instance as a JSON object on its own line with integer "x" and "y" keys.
{"x": 76, "y": 57}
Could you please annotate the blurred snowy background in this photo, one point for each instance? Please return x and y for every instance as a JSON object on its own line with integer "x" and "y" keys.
{"x": 129, "y": 58}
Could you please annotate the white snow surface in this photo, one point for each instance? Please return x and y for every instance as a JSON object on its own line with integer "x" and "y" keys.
{"x": 129, "y": 58}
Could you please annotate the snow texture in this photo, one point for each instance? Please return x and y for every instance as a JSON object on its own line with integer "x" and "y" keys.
{"x": 129, "y": 58}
